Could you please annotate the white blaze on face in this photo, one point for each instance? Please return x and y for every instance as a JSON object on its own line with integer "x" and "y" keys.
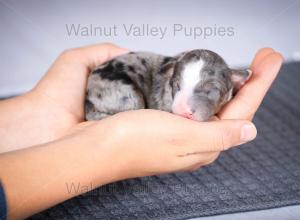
{"x": 189, "y": 79}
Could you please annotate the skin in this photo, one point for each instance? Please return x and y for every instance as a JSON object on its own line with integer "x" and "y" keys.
{"x": 53, "y": 137}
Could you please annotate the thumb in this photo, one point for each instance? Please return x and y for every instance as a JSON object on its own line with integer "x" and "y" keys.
{"x": 223, "y": 134}
{"x": 93, "y": 55}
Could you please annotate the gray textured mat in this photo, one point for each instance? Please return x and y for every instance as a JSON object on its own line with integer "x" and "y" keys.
{"x": 260, "y": 175}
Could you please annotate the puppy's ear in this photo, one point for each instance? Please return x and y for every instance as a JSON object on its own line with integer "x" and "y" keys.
{"x": 167, "y": 67}
{"x": 239, "y": 77}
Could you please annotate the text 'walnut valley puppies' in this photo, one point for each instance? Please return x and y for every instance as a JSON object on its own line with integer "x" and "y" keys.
{"x": 193, "y": 84}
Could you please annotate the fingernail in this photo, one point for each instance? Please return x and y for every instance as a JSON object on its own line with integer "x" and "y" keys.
{"x": 248, "y": 132}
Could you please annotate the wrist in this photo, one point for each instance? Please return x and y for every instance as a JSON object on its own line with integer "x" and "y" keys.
{"x": 98, "y": 144}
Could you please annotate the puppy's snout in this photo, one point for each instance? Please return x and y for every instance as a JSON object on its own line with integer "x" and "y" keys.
{"x": 198, "y": 113}
{"x": 183, "y": 109}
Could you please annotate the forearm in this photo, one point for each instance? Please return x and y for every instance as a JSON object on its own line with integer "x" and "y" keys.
{"x": 39, "y": 177}
{"x": 15, "y": 117}
{"x": 26, "y": 121}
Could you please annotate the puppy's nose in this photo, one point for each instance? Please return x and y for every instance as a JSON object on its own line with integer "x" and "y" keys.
{"x": 184, "y": 110}
{"x": 188, "y": 115}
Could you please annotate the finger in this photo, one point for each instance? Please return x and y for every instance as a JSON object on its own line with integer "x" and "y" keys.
{"x": 212, "y": 136}
{"x": 247, "y": 100}
{"x": 224, "y": 134}
{"x": 260, "y": 55}
{"x": 96, "y": 54}
{"x": 69, "y": 72}
{"x": 92, "y": 55}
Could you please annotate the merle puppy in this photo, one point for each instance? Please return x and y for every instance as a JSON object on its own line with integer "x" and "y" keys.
{"x": 193, "y": 84}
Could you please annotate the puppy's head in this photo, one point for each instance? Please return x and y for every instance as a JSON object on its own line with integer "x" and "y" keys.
{"x": 202, "y": 83}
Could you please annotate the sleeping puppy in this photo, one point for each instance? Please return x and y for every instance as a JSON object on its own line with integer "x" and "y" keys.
{"x": 193, "y": 84}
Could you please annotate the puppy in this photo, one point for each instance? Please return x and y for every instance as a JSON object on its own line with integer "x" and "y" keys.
{"x": 193, "y": 84}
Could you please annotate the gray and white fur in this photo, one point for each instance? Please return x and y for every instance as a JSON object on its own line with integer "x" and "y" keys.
{"x": 193, "y": 84}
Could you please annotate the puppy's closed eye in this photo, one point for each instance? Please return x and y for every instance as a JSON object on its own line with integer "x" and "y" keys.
{"x": 214, "y": 94}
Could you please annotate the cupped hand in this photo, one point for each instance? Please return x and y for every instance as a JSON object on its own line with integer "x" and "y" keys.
{"x": 57, "y": 102}
{"x": 147, "y": 142}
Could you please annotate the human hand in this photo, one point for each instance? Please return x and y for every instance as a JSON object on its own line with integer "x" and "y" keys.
{"x": 147, "y": 142}
{"x": 57, "y": 101}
